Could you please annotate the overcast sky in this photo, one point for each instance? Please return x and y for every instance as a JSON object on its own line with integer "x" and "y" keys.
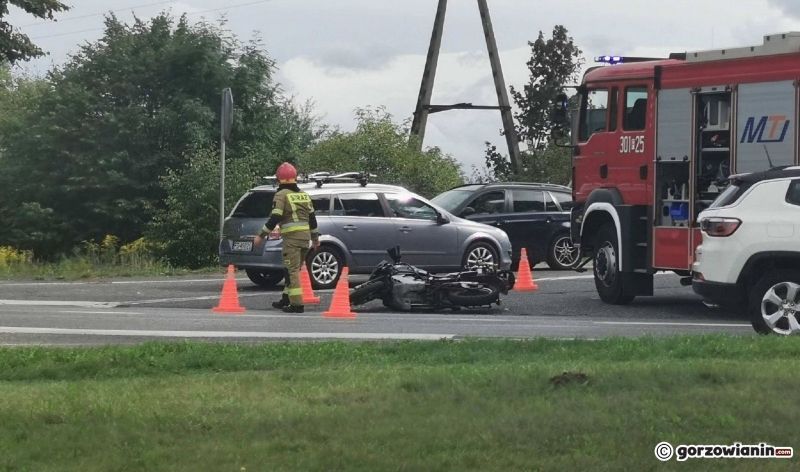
{"x": 345, "y": 54}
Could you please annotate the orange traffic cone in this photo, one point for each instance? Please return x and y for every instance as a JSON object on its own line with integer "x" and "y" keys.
{"x": 340, "y": 305}
{"x": 308, "y": 291}
{"x": 229, "y": 303}
{"x": 525, "y": 281}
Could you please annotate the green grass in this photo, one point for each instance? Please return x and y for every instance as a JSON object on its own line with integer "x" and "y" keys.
{"x": 480, "y": 405}
{"x": 82, "y": 267}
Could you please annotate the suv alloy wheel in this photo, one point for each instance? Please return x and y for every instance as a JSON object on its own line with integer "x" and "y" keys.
{"x": 775, "y": 303}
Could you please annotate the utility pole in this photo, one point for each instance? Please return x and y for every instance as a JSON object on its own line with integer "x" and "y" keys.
{"x": 424, "y": 107}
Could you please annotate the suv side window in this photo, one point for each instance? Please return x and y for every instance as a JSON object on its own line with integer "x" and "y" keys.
{"x": 528, "y": 201}
{"x": 549, "y": 202}
{"x": 360, "y": 204}
{"x": 489, "y": 203}
{"x": 406, "y": 206}
{"x": 564, "y": 199}
{"x": 793, "y": 195}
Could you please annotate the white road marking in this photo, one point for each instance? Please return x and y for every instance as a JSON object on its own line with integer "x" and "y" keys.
{"x": 219, "y": 334}
{"x": 186, "y": 299}
{"x": 118, "y": 282}
{"x": 80, "y": 304}
{"x": 128, "y": 282}
{"x": 115, "y": 282}
{"x": 221, "y": 281}
{"x": 582, "y": 277}
{"x": 102, "y": 312}
{"x": 668, "y": 323}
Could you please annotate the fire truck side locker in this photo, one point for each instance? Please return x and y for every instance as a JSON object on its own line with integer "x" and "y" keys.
{"x": 713, "y": 150}
{"x": 672, "y": 179}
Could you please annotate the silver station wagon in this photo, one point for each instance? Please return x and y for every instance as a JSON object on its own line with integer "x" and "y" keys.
{"x": 358, "y": 221}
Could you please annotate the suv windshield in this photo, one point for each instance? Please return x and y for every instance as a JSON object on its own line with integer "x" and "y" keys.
{"x": 451, "y": 199}
{"x": 255, "y": 205}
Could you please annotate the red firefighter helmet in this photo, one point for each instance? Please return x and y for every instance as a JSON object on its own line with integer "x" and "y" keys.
{"x": 287, "y": 174}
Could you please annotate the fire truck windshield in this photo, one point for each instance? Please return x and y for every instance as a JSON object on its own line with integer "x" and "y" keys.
{"x": 593, "y": 115}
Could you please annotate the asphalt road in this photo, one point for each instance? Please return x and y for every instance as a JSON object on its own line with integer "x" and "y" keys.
{"x": 132, "y": 310}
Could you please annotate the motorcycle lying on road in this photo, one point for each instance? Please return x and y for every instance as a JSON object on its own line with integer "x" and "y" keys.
{"x": 404, "y": 287}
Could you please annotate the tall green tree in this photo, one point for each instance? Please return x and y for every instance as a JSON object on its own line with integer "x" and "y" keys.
{"x": 123, "y": 112}
{"x": 555, "y": 63}
{"x": 16, "y": 46}
{"x": 185, "y": 229}
{"x": 381, "y": 146}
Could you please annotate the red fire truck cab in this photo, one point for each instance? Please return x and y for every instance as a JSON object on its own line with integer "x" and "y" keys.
{"x": 654, "y": 144}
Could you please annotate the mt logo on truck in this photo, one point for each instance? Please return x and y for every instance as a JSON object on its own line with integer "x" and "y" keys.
{"x": 752, "y": 131}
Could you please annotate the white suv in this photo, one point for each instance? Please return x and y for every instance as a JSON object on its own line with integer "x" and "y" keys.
{"x": 750, "y": 255}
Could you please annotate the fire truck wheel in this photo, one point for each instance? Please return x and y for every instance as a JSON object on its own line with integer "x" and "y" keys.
{"x": 607, "y": 278}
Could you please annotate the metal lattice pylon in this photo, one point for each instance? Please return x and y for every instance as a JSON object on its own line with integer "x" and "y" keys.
{"x": 424, "y": 107}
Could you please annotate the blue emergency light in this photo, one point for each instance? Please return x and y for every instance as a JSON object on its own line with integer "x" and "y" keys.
{"x": 610, "y": 59}
{"x": 614, "y": 60}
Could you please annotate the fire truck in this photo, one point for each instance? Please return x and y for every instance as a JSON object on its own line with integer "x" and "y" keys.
{"x": 655, "y": 142}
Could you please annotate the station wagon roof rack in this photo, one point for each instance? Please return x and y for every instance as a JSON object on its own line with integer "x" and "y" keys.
{"x": 321, "y": 178}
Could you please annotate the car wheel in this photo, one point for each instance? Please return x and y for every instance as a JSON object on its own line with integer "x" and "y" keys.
{"x": 325, "y": 267}
{"x": 774, "y": 303}
{"x": 265, "y": 279}
{"x": 562, "y": 255}
{"x": 607, "y": 277}
{"x": 479, "y": 253}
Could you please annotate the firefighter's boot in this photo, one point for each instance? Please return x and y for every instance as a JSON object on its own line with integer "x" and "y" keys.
{"x": 283, "y": 303}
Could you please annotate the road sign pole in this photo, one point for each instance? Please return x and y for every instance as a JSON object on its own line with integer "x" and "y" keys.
{"x": 222, "y": 187}
{"x": 226, "y": 122}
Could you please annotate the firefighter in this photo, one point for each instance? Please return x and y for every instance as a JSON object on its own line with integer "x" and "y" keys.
{"x": 293, "y": 211}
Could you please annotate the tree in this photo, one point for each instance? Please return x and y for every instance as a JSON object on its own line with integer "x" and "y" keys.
{"x": 186, "y": 227}
{"x": 125, "y": 111}
{"x": 380, "y": 146}
{"x": 15, "y": 46}
{"x": 554, "y": 63}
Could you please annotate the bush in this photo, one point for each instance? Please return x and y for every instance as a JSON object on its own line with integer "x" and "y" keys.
{"x": 12, "y": 257}
{"x": 187, "y": 229}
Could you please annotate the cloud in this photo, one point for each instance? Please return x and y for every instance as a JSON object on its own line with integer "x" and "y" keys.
{"x": 354, "y": 57}
{"x": 790, "y": 7}
{"x": 345, "y": 54}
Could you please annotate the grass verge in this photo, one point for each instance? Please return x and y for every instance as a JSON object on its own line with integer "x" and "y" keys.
{"x": 77, "y": 268}
{"x": 92, "y": 260}
{"x": 471, "y": 405}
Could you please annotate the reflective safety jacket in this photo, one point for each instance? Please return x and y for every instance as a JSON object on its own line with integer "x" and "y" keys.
{"x": 293, "y": 210}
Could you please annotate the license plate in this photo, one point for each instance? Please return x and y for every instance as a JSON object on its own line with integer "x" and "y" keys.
{"x": 243, "y": 246}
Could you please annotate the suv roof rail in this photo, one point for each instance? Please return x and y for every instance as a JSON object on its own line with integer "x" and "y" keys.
{"x": 537, "y": 184}
{"x": 321, "y": 178}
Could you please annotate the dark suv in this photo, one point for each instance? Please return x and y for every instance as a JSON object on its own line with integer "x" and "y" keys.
{"x": 535, "y": 216}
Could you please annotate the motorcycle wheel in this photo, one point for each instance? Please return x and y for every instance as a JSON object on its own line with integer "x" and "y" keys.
{"x": 363, "y": 293}
{"x": 467, "y": 297}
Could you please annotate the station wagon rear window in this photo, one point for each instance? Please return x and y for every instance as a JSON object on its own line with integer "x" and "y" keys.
{"x": 255, "y": 205}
